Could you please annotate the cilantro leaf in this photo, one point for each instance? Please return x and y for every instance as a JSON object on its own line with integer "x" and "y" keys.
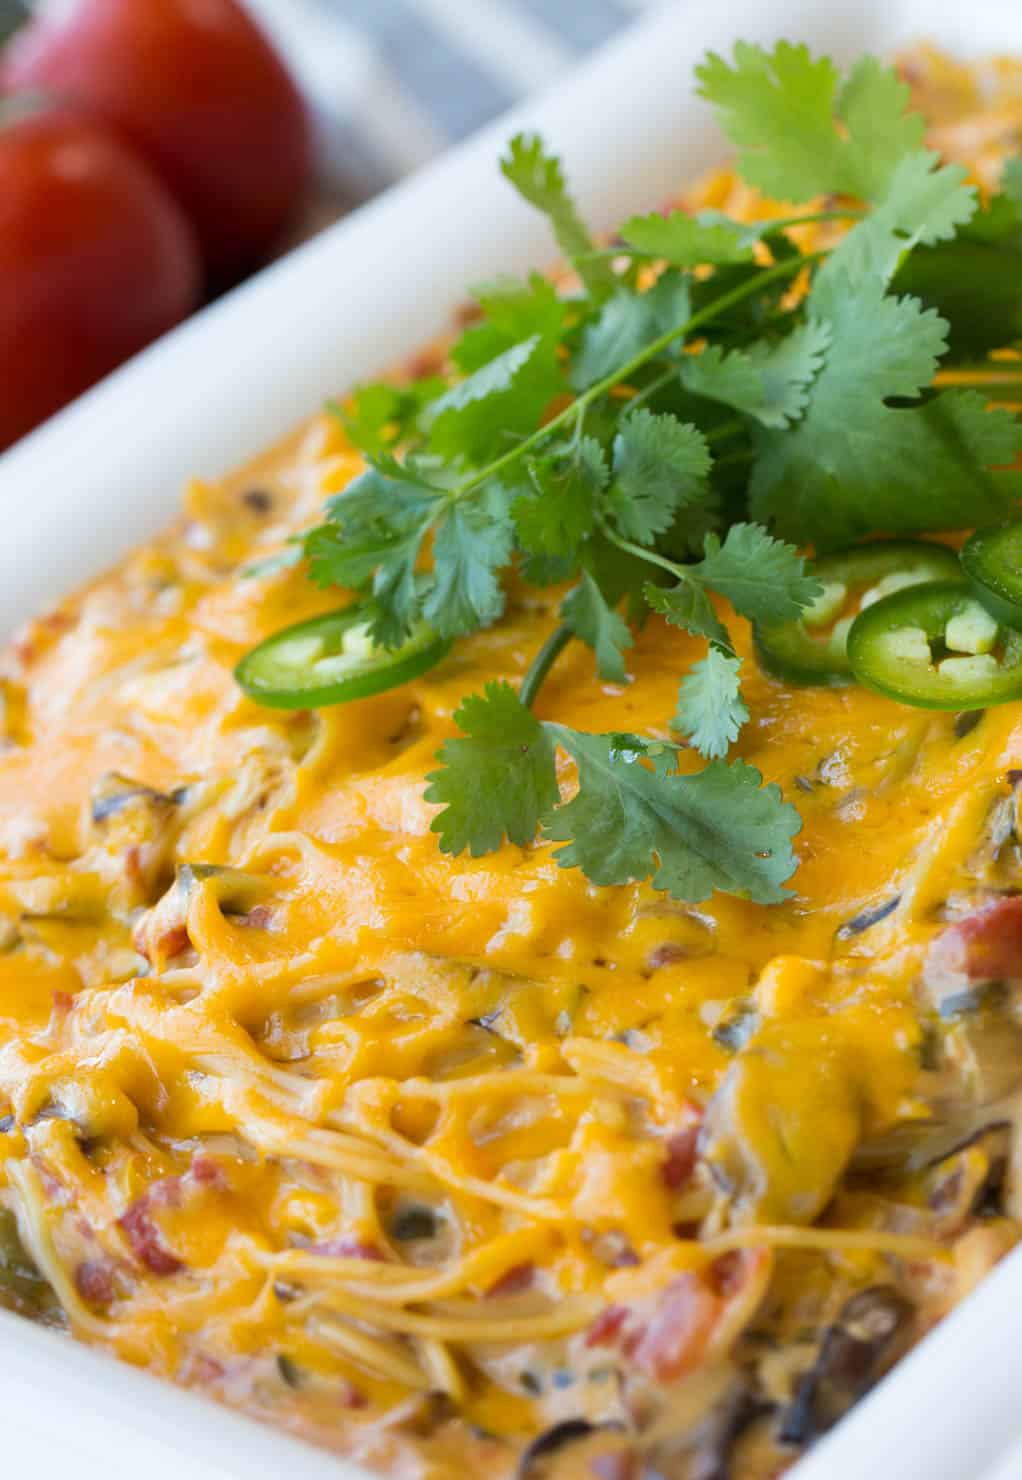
{"x": 687, "y": 535}
{"x": 627, "y": 324}
{"x": 758, "y": 313}
{"x": 873, "y": 106}
{"x": 632, "y": 817}
{"x": 782, "y": 111}
{"x": 600, "y": 627}
{"x": 370, "y": 417}
{"x": 974, "y": 280}
{"x": 371, "y": 542}
{"x": 539, "y": 178}
{"x": 383, "y": 564}
{"x": 778, "y": 111}
{"x": 763, "y": 578}
{"x": 498, "y": 779}
{"x": 506, "y": 397}
{"x": 997, "y": 220}
{"x": 769, "y": 382}
{"x": 473, "y": 542}
{"x": 660, "y": 466}
{"x": 669, "y": 304}
{"x": 376, "y": 417}
{"x": 750, "y": 233}
{"x": 975, "y": 286}
{"x": 514, "y": 311}
{"x": 547, "y": 570}
{"x": 619, "y": 574}
{"x": 406, "y": 474}
{"x": 710, "y": 707}
{"x": 559, "y": 513}
{"x": 687, "y": 606}
{"x": 927, "y": 203}
{"x": 854, "y": 465}
{"x": 728, "y": 376}
{"x": 823, "y": 447}
{"x": 685, "y": 241}
{"x": 890, "y": 346}
{"x": 1011, "y": 180}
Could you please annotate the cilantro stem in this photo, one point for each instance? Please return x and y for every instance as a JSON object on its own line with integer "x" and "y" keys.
{"x": 740, "y": 454}
{"x": 725, "y": 429}
{"x": 580, "y": 422}
{"x": 717, "y": 305}
{"x": 641, "y": 397}
{"x": 542, "y": 664}
{"x": 810, "y": 218}
{"x": 678, "y": 571}
{"x": 656, "y": 347}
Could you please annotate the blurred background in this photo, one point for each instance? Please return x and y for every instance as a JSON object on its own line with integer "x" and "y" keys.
{"x": 153, "y": 153}
{"x": 394, "y": 81}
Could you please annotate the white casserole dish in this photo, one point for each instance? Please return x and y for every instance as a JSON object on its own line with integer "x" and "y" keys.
{"x": 108, "y": 471}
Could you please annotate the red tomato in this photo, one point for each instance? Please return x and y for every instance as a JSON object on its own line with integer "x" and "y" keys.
{"x": 198, "y": 90}
{"x": 96, "y": 260}
{"x": 682, "y": 1155}
{"x": 665, "y": 1336}
{"x": 673, "y": 1340}
{"x": 982, "y": 947}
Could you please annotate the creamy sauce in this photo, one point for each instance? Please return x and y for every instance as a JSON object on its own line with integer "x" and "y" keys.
{"x": 368, "y": 1140}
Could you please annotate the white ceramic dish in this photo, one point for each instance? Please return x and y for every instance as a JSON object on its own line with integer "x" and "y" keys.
{"x": 108, "y": 471}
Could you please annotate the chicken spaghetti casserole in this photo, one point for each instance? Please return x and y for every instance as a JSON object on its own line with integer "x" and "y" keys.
{"x": 461, "y": 1158}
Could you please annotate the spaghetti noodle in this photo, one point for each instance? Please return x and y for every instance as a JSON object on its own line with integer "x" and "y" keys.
{"x": 421, "y": 1156}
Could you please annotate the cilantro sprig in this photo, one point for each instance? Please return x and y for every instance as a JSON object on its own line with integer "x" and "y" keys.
{"x": 652, "y": 440}
{"x": 633, "y": 815}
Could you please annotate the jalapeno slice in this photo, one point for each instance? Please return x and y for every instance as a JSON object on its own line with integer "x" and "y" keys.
{"x": 813, "y": 649}
{"x": 992, "y": 562}
{"x": 937, "y": 647}
{"x": 331, "y": 660}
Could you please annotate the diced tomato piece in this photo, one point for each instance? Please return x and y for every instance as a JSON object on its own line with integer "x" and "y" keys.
{"x": 166, "y": 1193}
{"x": 94, "y": 1282}
{"x": 607, "y": 1327}
{"x": 204, "y": 1370}
{"x": 682, "y": 1150}
{"x": 675, "y": 1337}
{"x": 347, "y": 1247}
{"x": 729, "y": 1272}
{"x": 144, "y": 1238}
{"x": 984, "y": 946}
{"x": 207, "y": 1171}
{"x": 513, "y": 1281}
{"x": 170, "y": 944}
{"x": 54, "y": 1188}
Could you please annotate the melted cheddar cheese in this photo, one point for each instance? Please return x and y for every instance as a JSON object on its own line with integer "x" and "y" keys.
{"x": 400, "y": 1150}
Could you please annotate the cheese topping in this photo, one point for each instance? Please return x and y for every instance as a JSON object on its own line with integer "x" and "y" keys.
{"x": 421, "y": 1155}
